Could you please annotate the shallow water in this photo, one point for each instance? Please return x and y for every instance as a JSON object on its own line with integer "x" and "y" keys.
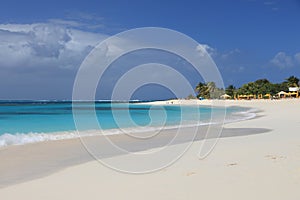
{"x": 33, "y": 121}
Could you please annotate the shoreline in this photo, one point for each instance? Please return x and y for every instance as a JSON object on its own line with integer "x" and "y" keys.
{"x": 74, "y": 145}
{"x": 31, "y": 138}
{"x": 61, "y": 154}
{"x": 264, "y": 159}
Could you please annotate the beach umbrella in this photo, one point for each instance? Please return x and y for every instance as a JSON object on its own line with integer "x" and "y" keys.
{"x": 281, "y": 93}
{"x": 225, "y": 96}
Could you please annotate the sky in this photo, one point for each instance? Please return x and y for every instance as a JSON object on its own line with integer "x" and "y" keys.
{"x": 43, "y": 43}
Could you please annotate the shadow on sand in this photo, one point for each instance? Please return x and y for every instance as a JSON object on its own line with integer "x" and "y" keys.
{"x": 27, "y": 162}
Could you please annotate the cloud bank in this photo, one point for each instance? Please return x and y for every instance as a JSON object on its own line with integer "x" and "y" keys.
{"x": 40, "y": 60}
{"x": 44, "y": 45}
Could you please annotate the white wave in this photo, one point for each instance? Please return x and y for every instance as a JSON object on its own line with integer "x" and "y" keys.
{"x": 26, "y": 138}
{"x": 8, "y": 139}
{"x": 242, "y": 115}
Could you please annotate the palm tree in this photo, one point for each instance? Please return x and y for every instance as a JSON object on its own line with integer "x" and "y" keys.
{"x": 292, "y": 81}
{"x": 211, "y": 86}
{"x": 230, "y": 90}
{"x": 212, "y": 90}
{"x": 202, "y": 90}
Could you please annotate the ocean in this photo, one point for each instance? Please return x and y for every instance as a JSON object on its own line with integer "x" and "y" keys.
{"x": 23, "y": 122}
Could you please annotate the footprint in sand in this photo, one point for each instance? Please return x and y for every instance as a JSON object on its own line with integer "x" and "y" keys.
{"x": 190, "y": 173}
{"x": 275, "y": 157}
{"x": 232, "y": 164}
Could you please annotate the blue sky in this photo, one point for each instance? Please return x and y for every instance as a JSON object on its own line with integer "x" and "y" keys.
{"x": 44, "y": 42}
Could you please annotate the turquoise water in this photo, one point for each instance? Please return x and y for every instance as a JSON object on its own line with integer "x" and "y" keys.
{"x": 31, "y": 121}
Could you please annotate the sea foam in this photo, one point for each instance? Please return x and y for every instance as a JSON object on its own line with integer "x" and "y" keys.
{"x": 8, "y": 139}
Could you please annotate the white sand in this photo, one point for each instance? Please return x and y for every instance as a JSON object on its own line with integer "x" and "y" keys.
{"x": 264, "y": 166}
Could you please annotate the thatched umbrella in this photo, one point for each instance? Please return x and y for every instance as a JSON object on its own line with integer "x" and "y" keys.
{"x": 225, "y": 96}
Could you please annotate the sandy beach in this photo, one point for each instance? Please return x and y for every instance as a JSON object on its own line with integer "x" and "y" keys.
{"x": 253, "y": 159}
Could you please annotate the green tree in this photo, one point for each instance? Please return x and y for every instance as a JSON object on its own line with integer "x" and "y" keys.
{"x": 248, "y": 88}
{"x": 231, "y": 91}
{"x": 202, "y": 90}
{"x": 212, "y": 90}
{"x": 208, "y": 90}
{"x": 262, "y": 86}
{"x": 190, "y": 96}
{"x": 292, "y": 81}
{"x": 277, "y": 87}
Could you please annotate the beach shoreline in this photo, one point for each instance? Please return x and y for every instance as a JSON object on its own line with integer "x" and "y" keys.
{"x": 64, "y": 153}
{"x": 28, "y": 137}
{"x": 259, "y": 140}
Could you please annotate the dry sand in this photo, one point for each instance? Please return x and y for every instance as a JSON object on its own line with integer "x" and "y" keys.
{"x": 258, "y": 166}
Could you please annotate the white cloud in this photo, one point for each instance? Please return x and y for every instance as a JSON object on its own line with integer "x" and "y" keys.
{"x": 283, "y": 60}
{"x": 44, "y": 44}
{"x": 57, "y": 43}
{"x": 230, "y": 53}
{"x": 297, "y": 58}
{"x": 204, "y": 48}
{"x": 213, "y": 52}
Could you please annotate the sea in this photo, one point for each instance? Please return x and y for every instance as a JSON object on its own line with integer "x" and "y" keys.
{"x": 23, "y": 122}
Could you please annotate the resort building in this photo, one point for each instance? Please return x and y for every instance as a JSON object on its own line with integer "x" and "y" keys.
{"x": 292, "y": 93}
